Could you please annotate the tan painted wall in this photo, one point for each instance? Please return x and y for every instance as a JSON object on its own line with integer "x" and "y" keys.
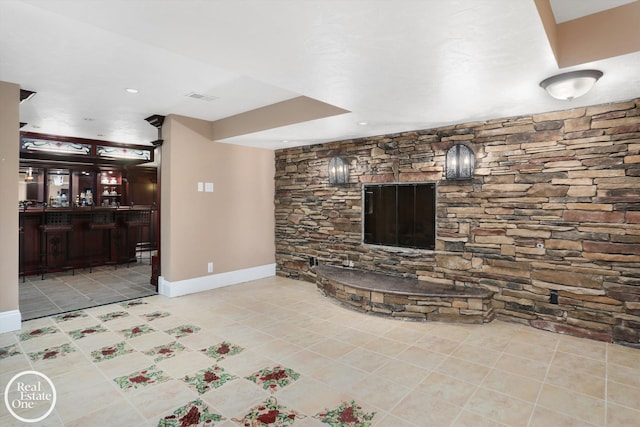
{"x": 598, "y": 36}
{"x": 234, "y": 226}
{"x": 9, "y": 161}
{"x": 609, "y": 33}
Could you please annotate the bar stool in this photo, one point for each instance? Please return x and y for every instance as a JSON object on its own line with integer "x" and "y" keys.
{"x": 102, "y": 220}
{"x": 136, "y": 221}
{"x": 54, "y": 237}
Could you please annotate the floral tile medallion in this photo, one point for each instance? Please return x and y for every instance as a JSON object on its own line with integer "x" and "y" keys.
{"x": 136, "y": 331}
{"x": 8, "y": 351}
{"x": 35, "y": 333}
{"x": 70, "y": 316}
{"x": 110, "y": 352}
{"x": 52, "y": 353}
{"x": 84, "y": 332}
{"x": 347, "y": 414}
{"x": 208, "y": 379}
{"x": 166, "y": 351}
{"x": 222, "y": 350}
{"x": 135, "y": 303}
{"x": 156, "y": 315}
{"x": 142, "y": 378}
{"x": 113, "y": 315}
{"x": 269, "y": 413}
{"x": 273, "y": 379}
{"x": 183, "y": 331}
{"x": 194, "y": 413}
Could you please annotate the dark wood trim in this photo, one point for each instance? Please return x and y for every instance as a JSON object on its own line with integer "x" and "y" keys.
{"x": 91, "y": 158}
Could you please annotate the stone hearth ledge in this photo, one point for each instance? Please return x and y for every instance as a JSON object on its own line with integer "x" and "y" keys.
{"x": 404, "y": 298}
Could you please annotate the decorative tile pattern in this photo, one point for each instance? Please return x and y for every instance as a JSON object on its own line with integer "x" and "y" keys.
{"x": 156, "y": 315}
{"x": 52, "y": 353}
{"x": 269, "y": 413}
{"x": 273, "y": 379}
{"x": 113, "y": 315}
{"x": 135, "y": 303}
{"x": 165, "y": 351}
{"x": 222, "y": 350}
{"x": 81, "y": 333}
{"x": 347, "y": 414}
{"x": 208, "y": 379}
{"x": 183, "y": 331}
{"x": 143, "y": 378}
{"x": 70, "y": 316}
{"x": 8, "y": 351}
{"x": 35, "y": 333}
{"x": 110, "y": 352}
{"x": 194, "y": 413}
{"x": 136, "y": 331}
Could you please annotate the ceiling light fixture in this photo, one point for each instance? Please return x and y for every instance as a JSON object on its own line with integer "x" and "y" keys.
{"x": 131, "y": 90}
{"x": 574, "y": 84}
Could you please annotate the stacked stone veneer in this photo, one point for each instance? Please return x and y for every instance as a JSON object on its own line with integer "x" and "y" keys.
{"x": 554, "y": 206}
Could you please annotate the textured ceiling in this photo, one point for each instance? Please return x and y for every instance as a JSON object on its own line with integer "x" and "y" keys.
{"x": 396, "y": 65}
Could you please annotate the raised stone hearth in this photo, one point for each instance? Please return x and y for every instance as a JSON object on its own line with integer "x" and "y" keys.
{"x": 404, "y": 298}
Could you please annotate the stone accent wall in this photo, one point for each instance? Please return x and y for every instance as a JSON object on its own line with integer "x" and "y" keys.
{"x": 554, "y": 207}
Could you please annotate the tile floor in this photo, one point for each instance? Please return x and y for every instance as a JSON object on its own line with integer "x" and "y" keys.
{"x": 62, "y": 292}
{"x": 275, "y": 352}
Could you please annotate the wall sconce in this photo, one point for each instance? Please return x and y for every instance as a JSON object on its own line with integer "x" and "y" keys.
{"x": 460, "y": 162}
{"x": 568, "y": 86}
{"x": 338, "y": 171}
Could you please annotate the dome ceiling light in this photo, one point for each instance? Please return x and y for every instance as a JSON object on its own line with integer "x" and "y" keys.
{"x": 567, "y": 86}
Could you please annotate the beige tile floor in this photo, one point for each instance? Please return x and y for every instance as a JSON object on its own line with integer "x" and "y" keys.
{"x": 68, "y": 291}
{"x": 141, "y": 363}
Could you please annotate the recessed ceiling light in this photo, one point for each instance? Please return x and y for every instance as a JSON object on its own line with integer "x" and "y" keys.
{"x": 131, "y": 90}
{"x": 363, "y": 123}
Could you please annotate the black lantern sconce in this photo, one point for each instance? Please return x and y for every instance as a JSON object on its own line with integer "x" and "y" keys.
{"x": 460, "y": 162}
{"x": 338, "y": 171}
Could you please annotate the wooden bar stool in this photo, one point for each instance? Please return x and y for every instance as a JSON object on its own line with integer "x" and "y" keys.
{"x": 54, "y": 233}
{"x": 102, "y": 220}
{"x": 137, "y": 220}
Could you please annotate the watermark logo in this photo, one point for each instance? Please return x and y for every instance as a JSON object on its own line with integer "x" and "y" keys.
{"x": 30, "y": 396}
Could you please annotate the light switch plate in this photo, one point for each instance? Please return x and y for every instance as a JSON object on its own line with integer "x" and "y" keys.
{"x": 200, "y": 187}
{"x": 208, "y": 187}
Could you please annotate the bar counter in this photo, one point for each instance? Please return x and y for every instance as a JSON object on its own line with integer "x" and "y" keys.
{"x": 57, "y": 239}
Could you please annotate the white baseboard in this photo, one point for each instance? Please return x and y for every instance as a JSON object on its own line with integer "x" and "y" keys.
{"x": 10, "y": 321}
{"x": 206, "y": 283}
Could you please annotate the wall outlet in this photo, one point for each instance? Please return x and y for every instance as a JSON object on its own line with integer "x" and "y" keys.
{"x": 210, "y": 267}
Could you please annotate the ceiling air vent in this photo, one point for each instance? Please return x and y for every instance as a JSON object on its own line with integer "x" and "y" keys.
{"x": 201, "y": 97}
